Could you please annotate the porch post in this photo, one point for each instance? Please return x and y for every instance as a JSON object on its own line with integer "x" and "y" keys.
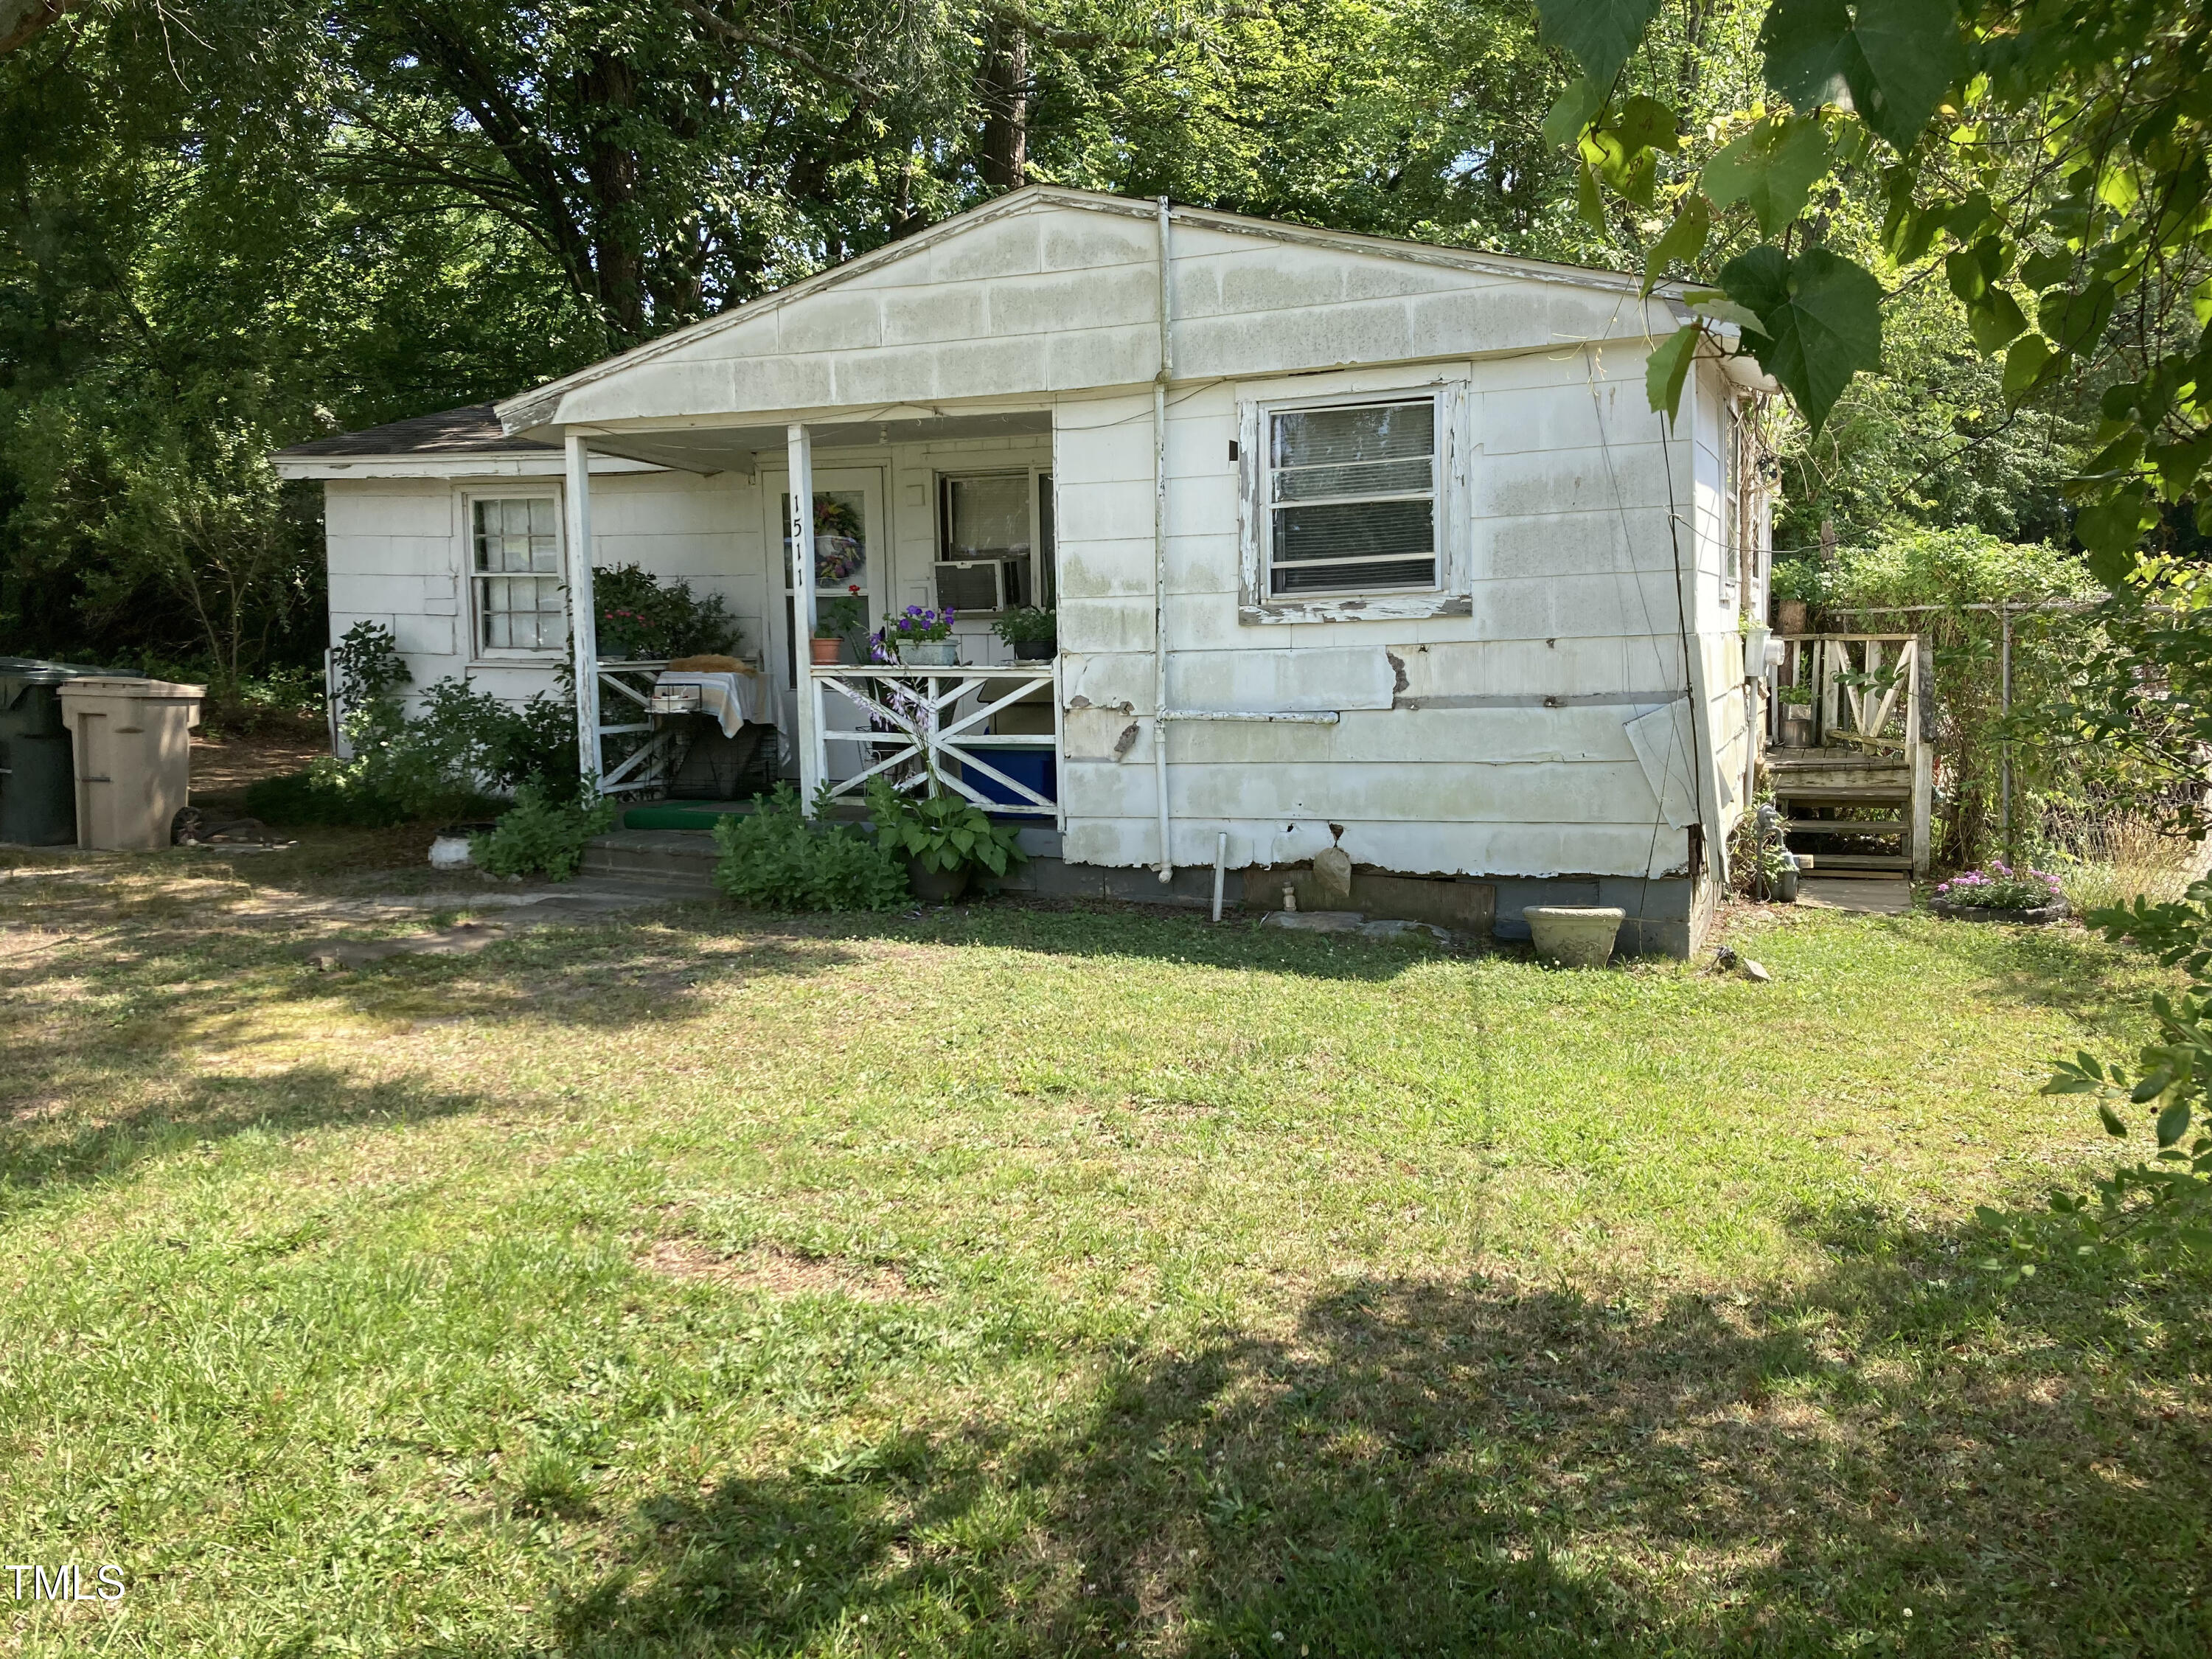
{"x": 807, "y": 693}
{"x": 583, "y": 642}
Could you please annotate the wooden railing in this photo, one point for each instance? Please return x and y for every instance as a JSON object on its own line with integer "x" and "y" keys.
{"x": 1865, "y": 689}
{"x": 917, "y": 735}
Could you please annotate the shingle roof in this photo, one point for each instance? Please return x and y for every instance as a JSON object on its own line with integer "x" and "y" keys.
{"x": 472, "y": 430}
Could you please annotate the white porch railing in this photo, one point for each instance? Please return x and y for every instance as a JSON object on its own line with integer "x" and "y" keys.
{"x": 913, "y": 716}
{"x": 648, "y": 766}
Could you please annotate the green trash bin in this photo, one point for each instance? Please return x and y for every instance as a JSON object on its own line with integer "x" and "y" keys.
{"x": 38, "y": 785}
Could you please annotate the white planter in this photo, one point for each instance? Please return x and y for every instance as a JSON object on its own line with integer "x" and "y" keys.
{"x": 931, "y": 654}
{"x": 1574, "y": 935}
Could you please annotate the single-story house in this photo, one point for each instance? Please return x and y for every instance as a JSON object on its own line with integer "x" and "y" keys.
{"x": 1351, "y": 543}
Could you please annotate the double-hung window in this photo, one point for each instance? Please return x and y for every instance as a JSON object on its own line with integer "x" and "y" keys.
{"x": 515, "y": 564}
{"x": 1350, "y": 498}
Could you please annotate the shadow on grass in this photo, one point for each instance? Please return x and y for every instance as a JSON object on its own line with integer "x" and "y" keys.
{"x": 36, "y": 1152}
{"x": 2058, "y": 967}
{"x": 1420, "y": 1467}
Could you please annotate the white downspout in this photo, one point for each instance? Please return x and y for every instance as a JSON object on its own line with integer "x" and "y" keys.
{"x": 583, "y": 635}
{"x": 799, "y": 453}
{"x": 1160, "y": 554}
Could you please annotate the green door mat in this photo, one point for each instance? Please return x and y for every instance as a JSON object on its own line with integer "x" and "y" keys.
{"x": 681, "y": 814}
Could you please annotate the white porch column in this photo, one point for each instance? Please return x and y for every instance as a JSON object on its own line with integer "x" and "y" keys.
{"x": 807, "y": 695}
{"x": 583, "y": 640}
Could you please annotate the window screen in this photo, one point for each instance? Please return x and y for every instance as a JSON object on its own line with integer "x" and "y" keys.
{"x": 1351, "y": 498}
{"x": 520, "y": 606}
{"x": 985, "y": 561}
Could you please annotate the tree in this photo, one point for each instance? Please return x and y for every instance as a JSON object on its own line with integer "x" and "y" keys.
{"x": 2043, "y": 159}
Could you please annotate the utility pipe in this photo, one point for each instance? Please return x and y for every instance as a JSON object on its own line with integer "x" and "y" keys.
{"x": 1220, "y": 870}
{"x": 1160, "y": 551}
{"x": 583, "y": 634}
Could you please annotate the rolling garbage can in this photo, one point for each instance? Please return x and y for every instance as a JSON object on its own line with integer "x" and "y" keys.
{"x": 133, "y": 750}
{"x": 37, "y": 791}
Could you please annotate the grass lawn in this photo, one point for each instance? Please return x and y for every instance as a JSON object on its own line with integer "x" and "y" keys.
{"x": 1026, "y": 1282}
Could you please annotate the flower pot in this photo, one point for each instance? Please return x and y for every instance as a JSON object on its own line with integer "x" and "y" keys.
{"x": 2041, "y": 916}
{"x": 827, "y": 653}
{"x": 1796, "y": 729}
{"x": 1574, "y": 935}
{"x": 1035, "y": 650}
{"x": 1790, "y": 616}
{"x": 936, "y": 886}
{"x": 931, "y": 654}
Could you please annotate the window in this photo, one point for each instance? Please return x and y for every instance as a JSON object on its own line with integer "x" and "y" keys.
{"x": 515, "y": 566}
{"x": 1351, "y": 498}
{"x": 988, "y": 527}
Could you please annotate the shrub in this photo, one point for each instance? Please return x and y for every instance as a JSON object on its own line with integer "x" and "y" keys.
{"x": 1027, "y": 622}
{"x": 941, "y": 833}
{"x": 641, "y": 619}
{"x": 540, "y": 836}
{"x": 323, "y": 795}
{"x": 772, "y": 859}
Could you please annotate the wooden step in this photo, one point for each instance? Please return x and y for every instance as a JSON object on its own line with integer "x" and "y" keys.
{"x": 1847, "y": 863}
{"x": 1849, "y": 795}
{"x": 1844, "y": 826}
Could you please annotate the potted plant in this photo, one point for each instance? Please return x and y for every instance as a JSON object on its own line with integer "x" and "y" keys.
{"x": 945, "y": 840}
{"x": 918, "y": 636}
{"x": 1796, "y": 702}
{"x": 1795, "y": 584}
{"x": 1032, "y": 630}
{"x": 833, "y": 623}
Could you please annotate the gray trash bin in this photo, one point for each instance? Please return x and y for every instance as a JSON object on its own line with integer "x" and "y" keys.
{"x": 38, "y": 790}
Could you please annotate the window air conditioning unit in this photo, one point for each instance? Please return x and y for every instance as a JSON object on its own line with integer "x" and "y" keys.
{"x": 977, "y": 583}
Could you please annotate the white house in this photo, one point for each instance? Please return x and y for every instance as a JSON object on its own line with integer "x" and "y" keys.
{"x": 1352, "y": 541}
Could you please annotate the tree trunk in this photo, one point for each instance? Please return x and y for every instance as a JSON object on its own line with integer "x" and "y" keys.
{"x": 1004, "y": 89}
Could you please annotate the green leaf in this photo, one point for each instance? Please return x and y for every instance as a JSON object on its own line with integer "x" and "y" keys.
{"x": 2074, "y": 318}
{"x": 1821, "y": 321}
{"x": 2029, "y": 363}
{"x": 1575, "y": 108}
{"x": 2042, "y": 270}
{"x": 1967, "y": 278}
{"x": 1892, "y": 62}
{"x": 1599, "y": 34}
{"x": 1588, "y": 203}
{"x": 2113, "y": 1127}
{"x": 1716, "y": 306}
{"x": 2179, "y": 465}
{"x": 2173, "y": 1123}
{"x": 1682, "y": 241}
{"x": 2111, "y": 529}
{"x": 1771, "y": 169}
{"x": 1668, "y": 366}
{"x": 1996, "y": 319}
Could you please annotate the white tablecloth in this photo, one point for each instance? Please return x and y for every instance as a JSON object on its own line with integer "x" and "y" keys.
{"x": 732, "y": 699}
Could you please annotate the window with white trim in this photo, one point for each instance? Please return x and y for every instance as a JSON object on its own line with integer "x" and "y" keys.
{"x": 514, "y": 564}
{"x": 1349, "y": 498}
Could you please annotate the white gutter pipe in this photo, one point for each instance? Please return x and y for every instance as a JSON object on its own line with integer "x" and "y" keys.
{"x": 1160, "y": 553}
{"x": 583, "y": 612}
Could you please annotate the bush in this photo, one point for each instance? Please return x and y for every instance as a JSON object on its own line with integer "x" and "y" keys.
{"x": 772, "y": 859}
{"x": 540, "y": 836}
{"x": 323, "y": 796}
{"x": 941, "y": 833}
{"x": 640, "y": 619}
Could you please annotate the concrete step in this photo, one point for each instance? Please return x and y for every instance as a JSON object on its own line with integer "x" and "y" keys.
{"x": 681, "y": 860}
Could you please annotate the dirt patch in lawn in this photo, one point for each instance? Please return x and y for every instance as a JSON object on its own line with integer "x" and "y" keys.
{"x": 222, "y": 767}
{"x": 774, "y": 1271}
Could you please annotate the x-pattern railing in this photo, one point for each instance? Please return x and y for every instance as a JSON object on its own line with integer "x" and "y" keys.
{"x": 912, "y": 716}
{"x": 645, "y": 766}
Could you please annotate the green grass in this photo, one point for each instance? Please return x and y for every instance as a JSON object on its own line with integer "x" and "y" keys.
{"x": 1022, "y": 1282}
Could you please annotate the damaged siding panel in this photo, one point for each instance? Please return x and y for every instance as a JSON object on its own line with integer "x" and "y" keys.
{"x": 1563, "y": 666}
{"x": 1438, "y": 793}
{"x": 1492, "y": 851}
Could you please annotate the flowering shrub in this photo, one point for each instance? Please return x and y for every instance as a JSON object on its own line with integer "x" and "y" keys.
{"x": 1998, "y": 886}
{"x": 912, "y": 626}
{"x": 641, "y": 619}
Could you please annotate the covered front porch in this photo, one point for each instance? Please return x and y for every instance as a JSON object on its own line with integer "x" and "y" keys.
{"x": 820, "y": 531}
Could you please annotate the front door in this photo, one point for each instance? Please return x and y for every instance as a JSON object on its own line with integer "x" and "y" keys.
{"x": 851, "y": 547}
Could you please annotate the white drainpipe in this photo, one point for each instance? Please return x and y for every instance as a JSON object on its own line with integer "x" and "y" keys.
{"x": 1160, "y": 554}
{"x": 583, "y": 642}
